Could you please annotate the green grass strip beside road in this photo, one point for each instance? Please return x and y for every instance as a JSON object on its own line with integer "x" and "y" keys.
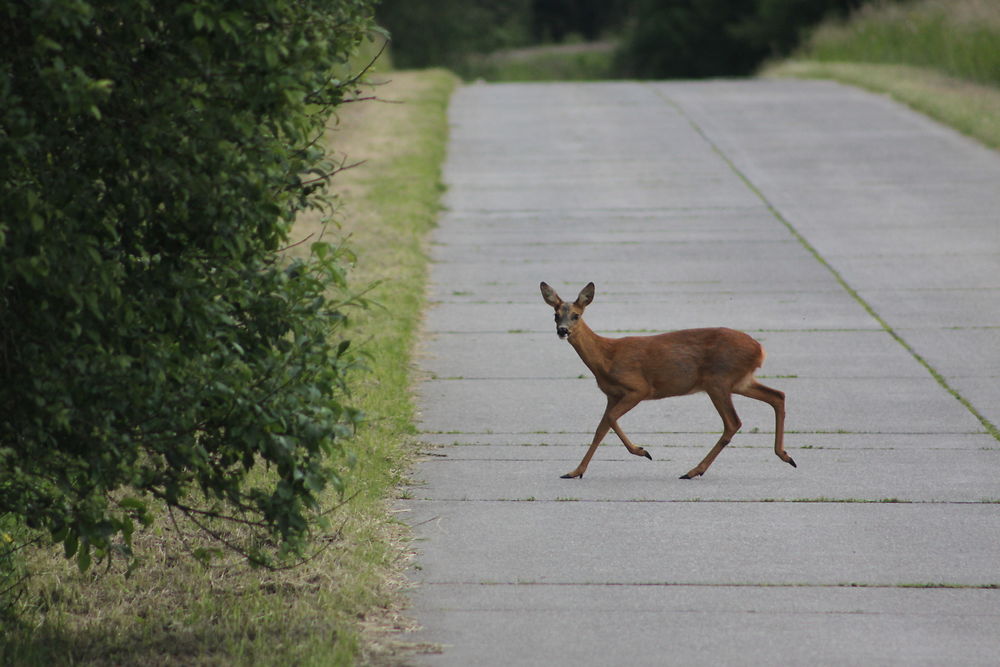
{"x": 390, "y": 205}
{"x": 970, "y": 108}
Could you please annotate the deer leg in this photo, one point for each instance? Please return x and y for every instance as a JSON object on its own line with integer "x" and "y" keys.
{"x": 616, "y": 408}
{"x": 776, "y": 399}
{"x": 602, "y": 430}
{"x": 723, "y": 402}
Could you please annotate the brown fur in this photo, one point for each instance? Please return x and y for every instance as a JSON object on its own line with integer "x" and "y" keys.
{"x": 632, "y": 369}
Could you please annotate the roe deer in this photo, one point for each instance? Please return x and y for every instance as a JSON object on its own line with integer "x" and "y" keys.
{"x": 719, "y": 362}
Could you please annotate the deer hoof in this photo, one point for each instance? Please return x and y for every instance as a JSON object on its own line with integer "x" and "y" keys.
{"x": 791, "y": 462}
{"x": 571, "y": 475}
{"x": 646, "y": 454}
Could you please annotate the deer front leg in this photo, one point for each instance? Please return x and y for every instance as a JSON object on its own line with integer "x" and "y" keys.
{"x": 616, "y": 408}
{"x": 602, "y": 430}
{"x": 632, "y": 449}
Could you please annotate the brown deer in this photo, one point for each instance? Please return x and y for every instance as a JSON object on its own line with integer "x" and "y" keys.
{"x": 720, "y": 362}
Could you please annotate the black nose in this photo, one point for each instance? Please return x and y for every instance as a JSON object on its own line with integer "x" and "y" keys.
{"x": 562, "y": 331}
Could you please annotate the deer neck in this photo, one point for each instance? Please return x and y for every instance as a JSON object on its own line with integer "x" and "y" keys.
{"x": 593, "y": 349}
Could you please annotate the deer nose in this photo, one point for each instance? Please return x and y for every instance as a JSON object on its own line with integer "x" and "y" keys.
{"x": 562, "y": 332}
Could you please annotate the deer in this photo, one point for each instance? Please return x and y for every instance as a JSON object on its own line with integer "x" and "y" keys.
{"x": 718, "y": 361}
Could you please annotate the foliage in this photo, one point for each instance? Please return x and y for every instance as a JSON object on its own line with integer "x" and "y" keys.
{"x": 938, "y": 57}
{"x": 155, "y": 345}
{"x": 555, "y": 20}
{"x": 956, "y": 37}
{"x": 704, "y": 38}
{"x": 450, "y": 32}
{"x": 13, "y": 570}
{"x": 590, "y": 61}
{"x": 662, "y": 38}
{"x": 441, "y": 32}
{"x": 174, "y": 611}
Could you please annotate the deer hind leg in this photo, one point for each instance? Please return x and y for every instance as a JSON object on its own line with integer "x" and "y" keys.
{"x": 617, "y": 406}
{"x": 723, "y": 402}
{"x": 776, "y": 399}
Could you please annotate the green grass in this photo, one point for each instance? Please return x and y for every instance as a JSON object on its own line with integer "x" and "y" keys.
{"x": 939, "y": 57}
{"x": 970, "y": 108}
{"x": 592, "y": 61}
{"x": 334, "y": 609}
{"x": 956, "y": 37}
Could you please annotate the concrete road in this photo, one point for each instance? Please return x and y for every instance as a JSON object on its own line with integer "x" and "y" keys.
{"x": 859, "y": 241}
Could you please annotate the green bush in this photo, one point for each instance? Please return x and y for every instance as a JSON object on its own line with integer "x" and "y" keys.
{"x": 443, "y": 32}
{"x": 705, "y": 38}
{"x": 556, "y": 20}
{"x": 13, "y": 570}
{"x": 957, "y": 37}
{"x": 154, "y": 344}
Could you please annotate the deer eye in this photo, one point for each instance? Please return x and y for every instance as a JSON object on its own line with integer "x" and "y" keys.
{"x": 575, "y": 317}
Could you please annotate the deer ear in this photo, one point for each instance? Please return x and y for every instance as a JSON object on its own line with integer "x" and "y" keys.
{"x": 550, "y": 296}
{"x": 586, "y": 296}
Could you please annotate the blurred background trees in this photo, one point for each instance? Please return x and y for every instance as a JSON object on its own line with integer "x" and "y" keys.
{"x": 654, "y": 38}
{"x": 704, "y": 38}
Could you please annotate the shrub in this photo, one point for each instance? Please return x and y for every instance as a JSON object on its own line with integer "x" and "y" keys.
{"x": 154, "y": 344}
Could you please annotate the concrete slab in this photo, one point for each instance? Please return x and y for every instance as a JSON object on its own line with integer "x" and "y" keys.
{"x": 517, "y": 277}
{"x": 680, "y": 201}
{"x": 741, "y": 474}
{"x": 754, "y": 223}
{"x": 907, "y": 405}
{"x": 598, "y": 193}
{"x": 948, "y": 272}
{"x": 912, "y": 242}
{"x": 686, "y": 625}
{"x": 705, "y": 543}
{"x": 569, "y": 446}
{"x": 943, "y": 308}
{"x": 933, "y": 272}
{"x": 679, "y": 310}
{"x": 632, "y": 248}
{"x": 983, "y": 393}
{"x": 958, "y": 352}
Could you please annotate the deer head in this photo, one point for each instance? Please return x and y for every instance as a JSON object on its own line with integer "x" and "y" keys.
{"x": 568, "y": 315}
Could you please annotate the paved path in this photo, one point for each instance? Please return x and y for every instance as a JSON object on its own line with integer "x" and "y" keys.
{"x": 857, "y": 240}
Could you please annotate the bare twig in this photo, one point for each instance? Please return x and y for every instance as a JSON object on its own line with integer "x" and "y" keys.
{"x": 327, "y": 176}
{"x": 297, "y": 243}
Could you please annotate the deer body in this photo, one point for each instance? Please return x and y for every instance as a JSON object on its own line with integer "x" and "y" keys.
{"x": 632, "y": 369}
{"x": 669, "y": 364}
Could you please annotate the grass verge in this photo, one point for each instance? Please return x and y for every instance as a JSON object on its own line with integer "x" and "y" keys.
{"x": 586, "y": 61}
{"x": 957, "y": 37}
{"x": 971, "y": 108}
{"x": 330, "y": 610}
{"x": 936, "y": 56}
